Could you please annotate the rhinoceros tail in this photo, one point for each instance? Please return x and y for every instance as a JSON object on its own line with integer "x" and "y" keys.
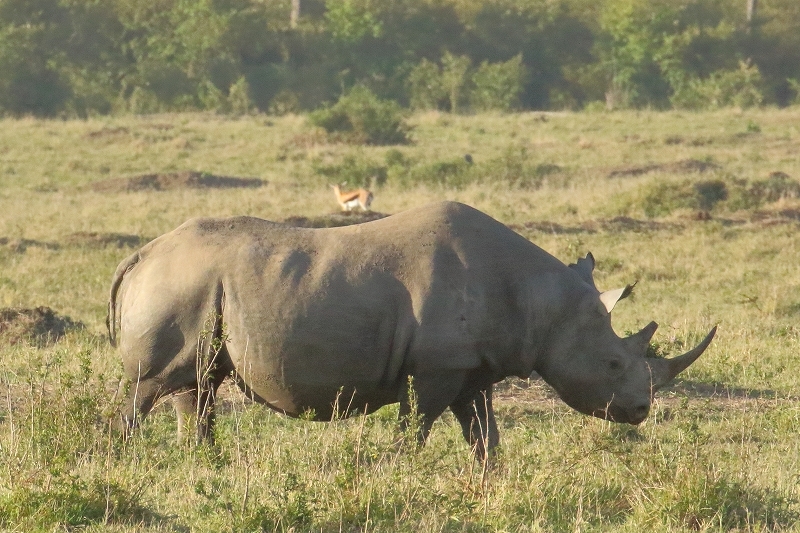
{"x": 111, "y": 318}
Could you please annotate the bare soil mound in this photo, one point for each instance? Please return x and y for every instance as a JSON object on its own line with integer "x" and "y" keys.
{"x": 622, "y": 223}
{"x": 20, "y": 245}
{"x": 618, "y": 224}
{"x": 94, "y": 239}
{"x": 334, "y": 219}
{"x": 40, "y": 326}
{"x": 772, "y": 218}
{"x": 683, "y": 166}
{"x": 174, "y": 180}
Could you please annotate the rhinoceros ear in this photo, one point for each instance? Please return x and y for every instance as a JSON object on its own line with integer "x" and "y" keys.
{"x": 610, "y": 298}
{"x": 584, "y": 268}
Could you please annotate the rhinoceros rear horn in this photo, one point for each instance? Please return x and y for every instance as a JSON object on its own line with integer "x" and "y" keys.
{"x": 638, "y": 342}
{"x": 664, "y": 370}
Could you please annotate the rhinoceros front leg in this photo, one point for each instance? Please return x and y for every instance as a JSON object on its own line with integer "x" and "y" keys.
{"x": 426, "y": 397}
{"x": 478, "y": 424}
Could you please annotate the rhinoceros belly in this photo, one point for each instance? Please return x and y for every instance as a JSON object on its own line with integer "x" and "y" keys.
{"x": 329, "y": 348}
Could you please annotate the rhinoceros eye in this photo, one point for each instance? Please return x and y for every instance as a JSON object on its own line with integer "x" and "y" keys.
{"x": 615, "y": 364}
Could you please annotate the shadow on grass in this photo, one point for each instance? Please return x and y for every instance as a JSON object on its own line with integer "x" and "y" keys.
{"x": 720, "y": 391}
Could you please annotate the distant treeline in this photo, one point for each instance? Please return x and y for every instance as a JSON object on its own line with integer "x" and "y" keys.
{"x": 85, "y": 57}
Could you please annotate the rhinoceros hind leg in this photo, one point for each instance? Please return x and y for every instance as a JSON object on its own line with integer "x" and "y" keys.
{"x": 142, "y": 395}
{"x": 197, "y": 409}
{"x": 478, "y": 424}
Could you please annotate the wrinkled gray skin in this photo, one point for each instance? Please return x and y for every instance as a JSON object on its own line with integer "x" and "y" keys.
{"x": 334, "y": 321}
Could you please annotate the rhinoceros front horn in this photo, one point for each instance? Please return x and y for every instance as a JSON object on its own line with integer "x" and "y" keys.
{"x": 664, "y": 370}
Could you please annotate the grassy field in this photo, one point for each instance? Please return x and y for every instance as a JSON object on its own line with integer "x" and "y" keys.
{"x": 702, "y": 210}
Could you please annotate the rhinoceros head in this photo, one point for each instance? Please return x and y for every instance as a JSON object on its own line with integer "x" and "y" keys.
{"x": 599, "y": 373}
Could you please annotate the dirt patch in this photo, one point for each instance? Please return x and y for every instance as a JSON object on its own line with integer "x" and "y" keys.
{"x": 612, "y": 225}
{"x": 773, "y": 218}
{"x": 107, "y": 132}
{"x": 101, "y": 240}
{"x": 40, "y": 326}
{"x": 678, "y": 167}
{"x": 635, "y": 225}
{"x": 20, "y": 245}
{"x": 549, "y": 227}
{"x": 334, "y": 220}
{"x": 790, "y": 214}
{"x": 174, "y": 180}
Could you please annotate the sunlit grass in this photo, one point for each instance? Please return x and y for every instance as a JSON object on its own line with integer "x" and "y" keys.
{"x": 719, "y": 452}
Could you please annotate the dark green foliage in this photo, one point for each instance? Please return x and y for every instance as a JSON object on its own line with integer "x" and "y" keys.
{"x": 490, "y": 86}
{"x": 709, "y": 193}
{"x": 742, "y": 87}
{"x": 83, "y": 57}
{"x": 425, "y": 87}
{"x": 498, "y": 86}
{"x": 663, "y": 198}
{"x": 361, "y": 117}
{"x": 31, "y": 83}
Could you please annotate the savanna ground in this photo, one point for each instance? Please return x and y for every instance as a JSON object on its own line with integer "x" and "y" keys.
{"x": 702, "y": 209}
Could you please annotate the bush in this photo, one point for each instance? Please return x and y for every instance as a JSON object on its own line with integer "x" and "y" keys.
{"x": 425, "y": 87}
{"x": 238, "y": 101}
{"x": 662, "y": 198}
{"x": 455, "y": 70}
{"x": 776, "y": 187}
{"x": 498, "y": 86}
{"x": 361, "y": 117}
{"x": 724, "y": 88}
{"x": 283, "y": 103}
{"x": 794, "y": 86}
{"x": 143, "y": 102}
{"x": 29, "y": 84}
{"x": 492, "y": 86}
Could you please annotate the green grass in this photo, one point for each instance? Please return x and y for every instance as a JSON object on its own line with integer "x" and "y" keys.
{"x": 719, "y": 452}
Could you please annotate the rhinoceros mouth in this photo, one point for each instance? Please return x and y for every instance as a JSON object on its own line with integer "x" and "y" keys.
{"x": 613, "y": 413}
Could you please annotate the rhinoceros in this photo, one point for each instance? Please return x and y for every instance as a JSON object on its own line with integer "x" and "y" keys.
{"x": 323, "y": 323}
